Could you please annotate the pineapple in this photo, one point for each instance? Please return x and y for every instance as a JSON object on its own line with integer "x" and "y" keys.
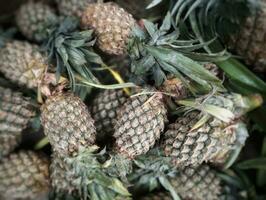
{"x": 157, "y": 196}
{"x": 112, "y": 24}
{"x": 34, "y": 19}
{"x": 104, "y": 111}
{"x": 15, "y": 113}
{"x": 67, "y": 124}
{"x": 190, "y": 144}
{"x": 24, "y": 176}
{"x": 72, "y": 7}
{"x": 152, "y": 49}
{"x": 251, "y": 40}
{"x": 22, "y": 63}
{"x": 200, "y": 183}
{"x": 140, "y": 123}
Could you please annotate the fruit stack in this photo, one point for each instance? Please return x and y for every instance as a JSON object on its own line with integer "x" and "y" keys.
{"x": 147, "y": 100}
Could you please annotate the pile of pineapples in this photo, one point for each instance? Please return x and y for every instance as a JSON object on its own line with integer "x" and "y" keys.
{"x": 131, "y": 99}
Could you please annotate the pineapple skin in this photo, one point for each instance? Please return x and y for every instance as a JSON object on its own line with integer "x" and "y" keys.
{"x": 73, "y": 8}
{"x": 112, "y": 25}
{"x": 61, "y": 178}
{"x": 211, "y": 142}
{"x": 33, "y": 19}
{"x": 251, "y": 40}
{"x": 24, "y": 176}
{"x": 104, "y": 110}
{"x": 140, "y": 124}
{"x": 22, "y": 63}
{"x": 15, "y": 113}
{"x": 199, "y": 183}
{"x": 67, "y": 124}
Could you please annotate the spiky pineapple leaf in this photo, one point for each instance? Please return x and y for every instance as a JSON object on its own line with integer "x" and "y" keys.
{"x": 257, "y": 163}
{"x": 261, "y": 174}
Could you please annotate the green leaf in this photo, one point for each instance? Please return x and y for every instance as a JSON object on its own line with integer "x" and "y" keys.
{"x": 258, "y": 163}
{"x": 166, "y": 23}
{"x": 261, "y": 174}
{"x": 237, "y": 71}
{"x": 167, "y": 185}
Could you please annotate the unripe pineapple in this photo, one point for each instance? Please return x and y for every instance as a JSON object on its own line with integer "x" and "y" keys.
{"x": 24, "y": 176}
{"x": 197, "y": 183}
{"x": 189, "y": 143}
{"x": 67, "y": 124}
{"x": 104, "y": 111}
{"x": 140, "y": 124}
{"x": 15, "y": 113}
{"x": 22, "y": 63}
{"x": 72, "y": 7}
{"x": 157, "y": 196}
{"x": 112, "y": 24}
{"x": 251, "y": 40}
{"x": 34, "y": 18}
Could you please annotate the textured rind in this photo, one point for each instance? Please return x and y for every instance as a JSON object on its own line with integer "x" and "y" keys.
{"x": 197, "y": 183}
{"x": 212, "y": 142}
{"x": 112, "y": 24}
{"x": 157, "y": 196}
{"x": 251, "y": 40}
{"x": 15, "y": 113}
{"x": 33, "y": 19}
{"x": 24, "y": 176}
{"x": 72, "y": 7}
{"x": 61, "y": 176}
{"x": 67, "y": 123}
{"x": 22, "y": 63}
{"x": 104, "y": 111}
{"x": 140, "y": 124}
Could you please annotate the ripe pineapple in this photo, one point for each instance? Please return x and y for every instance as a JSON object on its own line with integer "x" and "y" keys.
{"x": 72, "y": 7}
{"x": 112, "y": 24}
{"x": 34, "y": 19}
{"x": 104, "y": 111}
{"x": 214, "y": 140}
{"x": 67, "y": 124}
{"x": 24, "y": 176}
{"x": 251, "y": 40}
{"x": 22, "y": 63}
{"x": 197, "y": 183}
{"x": 140, "y": 124}
{"x": 15, "y": 113}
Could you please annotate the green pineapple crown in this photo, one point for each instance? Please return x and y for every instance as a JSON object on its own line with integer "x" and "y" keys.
{"x": 160, "y": 51}
{"x": 226, "y": 107}
{"x": 93, "y": 182}
{"x": 222, "y": 16}
{"x": 72, "y": 52}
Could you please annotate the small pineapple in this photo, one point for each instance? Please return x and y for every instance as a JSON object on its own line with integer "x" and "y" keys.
{"x": 190, "y": 144}
{"x": 15, "y": 113}
{"x": 200, "y": 183}
{"x": 112, "y": 24}
{"x": 140, "y": 124}
{"x": 34, "y": 19}
{"x": 24, "y": 176}
{"x": 104, "y": 111}
{"x": 22, "y": 63}
{"x": 67, "y": 124}
{"x": 72, "y": 7}
{"x": 251, "y": 40}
